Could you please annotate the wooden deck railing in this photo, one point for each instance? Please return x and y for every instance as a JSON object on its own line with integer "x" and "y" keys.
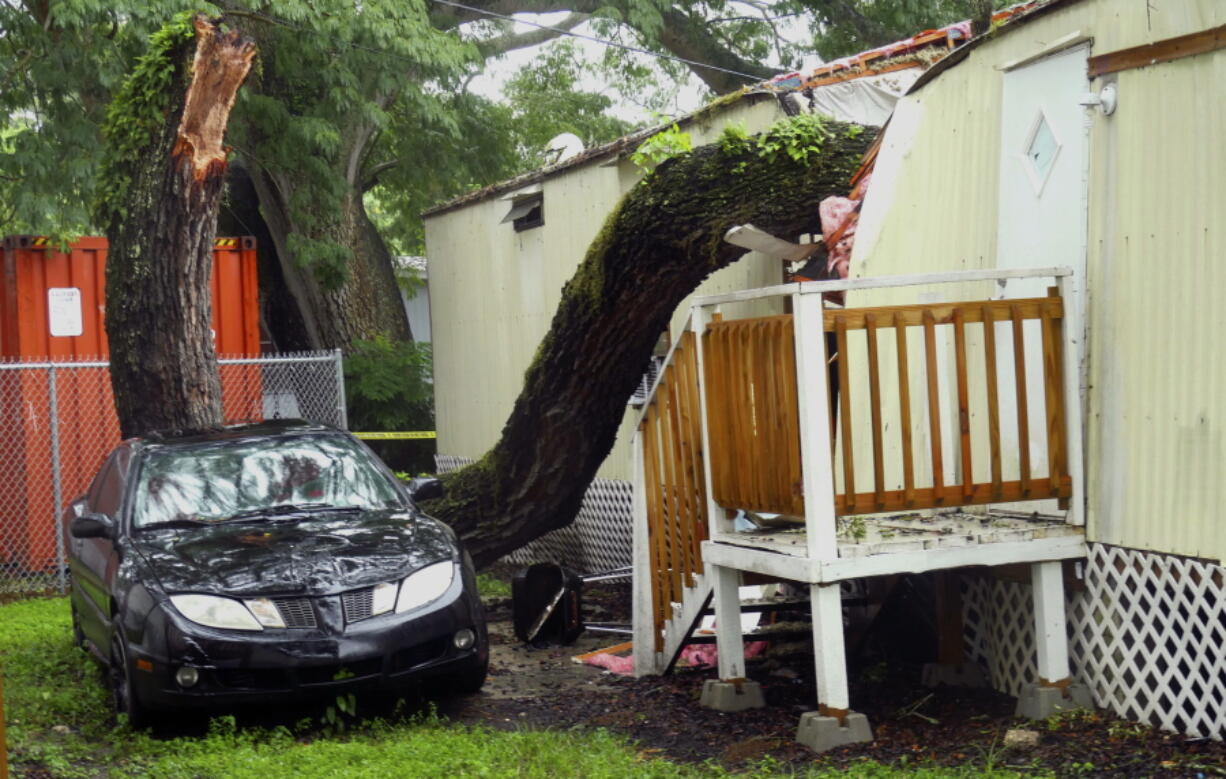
{"x": 674, "y": 481}
{"x": 753, "y": 416}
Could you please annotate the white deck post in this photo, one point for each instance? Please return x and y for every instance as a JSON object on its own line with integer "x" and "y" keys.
{"x": 1050, "y": 625}
{"x": 646, "y": 659}
{"x": 817, "y": 465}
{"x": 716, "y": 521}
{"x": 729, "y": 641}
{"x": 812, "y": 394}
{"x": 1074, "y": 338}
{"x": 829, "y": 654}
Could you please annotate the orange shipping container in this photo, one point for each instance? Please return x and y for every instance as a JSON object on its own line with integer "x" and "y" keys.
{"x": 52, "y": 308}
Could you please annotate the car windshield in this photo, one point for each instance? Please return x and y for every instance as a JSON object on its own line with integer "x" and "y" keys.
{"x": 219, "y": 481}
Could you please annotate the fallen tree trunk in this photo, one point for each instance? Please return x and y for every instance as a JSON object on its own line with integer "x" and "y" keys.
{"x": 161, "y": 187}
{"x": 662, "y": 240}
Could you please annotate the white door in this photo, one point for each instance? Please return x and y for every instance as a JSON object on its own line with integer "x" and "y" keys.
{"x": 1042, "y": 218}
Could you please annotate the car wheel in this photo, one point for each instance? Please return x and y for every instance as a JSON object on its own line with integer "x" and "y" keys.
{"x": 123, "y": 695}
{"x": 78, "y": 635}
{"x": 468, "y": 682}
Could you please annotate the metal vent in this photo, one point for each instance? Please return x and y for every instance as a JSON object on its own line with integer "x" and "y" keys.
{"x": 296, "y": 612}
{"x": 358, "y": 604}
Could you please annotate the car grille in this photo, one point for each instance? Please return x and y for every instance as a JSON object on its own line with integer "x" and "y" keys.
{"x": 358, "y": 604}
{"x": 296, "y": 612}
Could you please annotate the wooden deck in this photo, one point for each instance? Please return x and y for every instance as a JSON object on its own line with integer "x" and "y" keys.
{"x": 902, "y": 543}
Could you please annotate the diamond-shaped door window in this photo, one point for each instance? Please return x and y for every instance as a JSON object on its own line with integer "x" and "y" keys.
{"x": 1040, "y": 152}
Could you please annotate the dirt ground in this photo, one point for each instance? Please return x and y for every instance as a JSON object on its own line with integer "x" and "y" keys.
{"x": 543, "y": 687}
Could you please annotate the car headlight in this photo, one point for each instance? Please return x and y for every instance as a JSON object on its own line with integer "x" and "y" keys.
{"x": 422, "y": 587}
{"x": 383, "y": 598}
{"x": 215, "y": 612}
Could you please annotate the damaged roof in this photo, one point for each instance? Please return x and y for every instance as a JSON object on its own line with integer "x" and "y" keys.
{"x": 922, "y": 50}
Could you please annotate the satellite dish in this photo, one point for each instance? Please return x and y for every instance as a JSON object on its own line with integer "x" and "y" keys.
{"x": 562, "y": 147}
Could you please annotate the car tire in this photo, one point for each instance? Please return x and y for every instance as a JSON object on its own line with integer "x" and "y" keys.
{"x": 78, "y": 635}
{"x": 123, "y": 693}
{"x": 468, "y": 682}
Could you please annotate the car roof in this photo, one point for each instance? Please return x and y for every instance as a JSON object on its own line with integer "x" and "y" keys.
{"x": 233, "y": 433}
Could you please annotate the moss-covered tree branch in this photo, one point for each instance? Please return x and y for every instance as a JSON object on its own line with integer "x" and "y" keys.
{"x": 662, "y": 240}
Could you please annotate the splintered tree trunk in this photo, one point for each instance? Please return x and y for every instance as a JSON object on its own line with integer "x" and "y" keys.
{"x": 161, "y": 230}
{"x": 664, "y": 238}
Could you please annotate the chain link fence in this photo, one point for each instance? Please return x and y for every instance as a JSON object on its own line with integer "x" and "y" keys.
{"x": 57, "y": 424}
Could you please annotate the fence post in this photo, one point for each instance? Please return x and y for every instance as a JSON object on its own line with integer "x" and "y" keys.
{"x": 340, "y": 390}
{"x": 53, "y": 419}
{"x": 4, "y": 747}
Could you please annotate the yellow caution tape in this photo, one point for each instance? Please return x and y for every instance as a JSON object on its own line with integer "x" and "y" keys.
{"x": 412, "y": 434}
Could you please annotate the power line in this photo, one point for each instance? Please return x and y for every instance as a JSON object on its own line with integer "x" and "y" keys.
{"x": 602, "y": 41}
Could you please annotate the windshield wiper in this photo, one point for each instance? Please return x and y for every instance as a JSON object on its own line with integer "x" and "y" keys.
{"x": 284, "y": 510}
{"x": 176, "y": 522}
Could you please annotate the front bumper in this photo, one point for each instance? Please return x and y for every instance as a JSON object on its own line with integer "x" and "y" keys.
{"x": 389, "y": 652}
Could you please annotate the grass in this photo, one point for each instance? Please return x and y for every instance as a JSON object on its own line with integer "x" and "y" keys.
{"x": 58, "y": 723}
{"x": 493, "y": 587}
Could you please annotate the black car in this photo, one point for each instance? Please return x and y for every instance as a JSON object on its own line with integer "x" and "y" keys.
{"x": 266, "y": 563}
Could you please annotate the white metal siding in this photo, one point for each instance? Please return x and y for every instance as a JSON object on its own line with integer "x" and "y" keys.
{"x": 493, "y": 291}
{"x": 1156, "y": 249}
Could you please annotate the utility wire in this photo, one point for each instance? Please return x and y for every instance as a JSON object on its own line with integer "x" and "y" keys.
{"x": 602, "y": 41}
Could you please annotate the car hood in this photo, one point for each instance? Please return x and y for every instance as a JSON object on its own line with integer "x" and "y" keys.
{"x": 320, "y": 555}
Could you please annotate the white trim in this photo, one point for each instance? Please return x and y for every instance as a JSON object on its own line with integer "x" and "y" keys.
{"x": 807, "y": 569}
{"x": 1046, "y": 50}
{"x": 881, "y": 282}
{"x": 1074, "y": 400}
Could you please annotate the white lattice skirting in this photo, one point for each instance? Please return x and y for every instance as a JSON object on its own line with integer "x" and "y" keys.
{"x": 1147, "y": 636}
{"x": 598, "y": 540}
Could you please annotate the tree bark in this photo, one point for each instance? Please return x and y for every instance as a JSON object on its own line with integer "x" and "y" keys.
{"x": 160, "y": 260}
{"x": 662, "y": 240}
{"x": 367, "y": 303}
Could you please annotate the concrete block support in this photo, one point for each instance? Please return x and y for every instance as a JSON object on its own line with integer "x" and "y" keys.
{"x": 733, "y": 695}
{"x": 953, "y": 675}
{"x": 820, "y": 733}
{"x": 1039, "y": 701}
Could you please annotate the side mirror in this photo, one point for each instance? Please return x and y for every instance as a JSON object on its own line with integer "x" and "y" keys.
{"x": 425, "y": 488}
{"x": 92, "y": 526}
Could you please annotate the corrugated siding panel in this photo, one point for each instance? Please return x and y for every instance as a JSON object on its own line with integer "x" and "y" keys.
{"x": 493, "y": 292}
{"x": 1155, "y": 413}
{"x": 1157, "y": 445}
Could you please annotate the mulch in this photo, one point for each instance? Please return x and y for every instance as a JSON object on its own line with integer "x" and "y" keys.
{"x": 911, "y": 724}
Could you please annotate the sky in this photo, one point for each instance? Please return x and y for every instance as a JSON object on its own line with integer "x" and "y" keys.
{"x": 689, "y": 97}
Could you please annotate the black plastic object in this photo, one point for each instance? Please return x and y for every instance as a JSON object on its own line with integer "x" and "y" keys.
{"x": 546, "y": 601}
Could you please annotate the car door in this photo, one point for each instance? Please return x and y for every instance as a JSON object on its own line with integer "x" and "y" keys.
{"x": 94, "y": 560}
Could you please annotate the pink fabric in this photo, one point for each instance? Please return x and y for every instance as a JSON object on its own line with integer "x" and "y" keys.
{"x": 706, "y": 655}
{"x": 695, "y": 655}
{"x": 622, "y": 666}
{"x": 839, "y": 216}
